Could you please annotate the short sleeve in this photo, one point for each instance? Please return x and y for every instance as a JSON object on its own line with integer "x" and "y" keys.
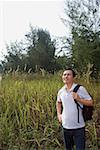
{"x": 58, "y": 97}
{"x": 83, "y": 93}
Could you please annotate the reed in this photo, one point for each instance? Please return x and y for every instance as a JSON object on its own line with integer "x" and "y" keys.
{"x": 28, "y": 117}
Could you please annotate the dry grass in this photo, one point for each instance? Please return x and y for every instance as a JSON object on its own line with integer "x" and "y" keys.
{"x": 28, "y": 113}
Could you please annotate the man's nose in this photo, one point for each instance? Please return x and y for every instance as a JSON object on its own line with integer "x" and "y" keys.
{"x": 66, "y": 76}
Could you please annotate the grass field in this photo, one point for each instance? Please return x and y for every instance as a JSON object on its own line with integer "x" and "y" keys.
{"x": 28, "y": 119}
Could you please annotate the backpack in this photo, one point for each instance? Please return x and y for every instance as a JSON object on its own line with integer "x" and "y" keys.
{"x": 87, "y": 111}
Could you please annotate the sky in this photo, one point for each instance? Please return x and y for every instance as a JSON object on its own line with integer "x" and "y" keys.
{"x": 17, "y": 15}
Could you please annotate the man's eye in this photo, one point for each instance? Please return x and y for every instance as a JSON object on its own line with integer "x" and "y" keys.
{"x": 67, "y": 74}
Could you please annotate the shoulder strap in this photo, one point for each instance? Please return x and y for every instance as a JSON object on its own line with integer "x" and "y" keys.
{"x": 76, "y": 88}
{"x": 78, "y": 105}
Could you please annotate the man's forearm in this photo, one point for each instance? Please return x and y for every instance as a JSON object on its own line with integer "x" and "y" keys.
{"x": 86, "y": 102}
{"x": 82, "y": 101}
{"x": 59, "y": 107}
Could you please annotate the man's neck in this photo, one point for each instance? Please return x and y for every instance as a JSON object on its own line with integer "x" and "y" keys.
{"x": 69, "y": 85}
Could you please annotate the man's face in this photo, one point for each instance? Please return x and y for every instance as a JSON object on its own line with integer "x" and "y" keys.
{"x": 67, "y": 76}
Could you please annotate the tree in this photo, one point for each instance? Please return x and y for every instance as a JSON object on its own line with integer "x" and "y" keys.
{"x": 84, "y": 20}
{"x": 41, "y": 49}
{"x": 14, "y": 56}
{"x": 63, "y": 62}
{"x": 37, "y": 51}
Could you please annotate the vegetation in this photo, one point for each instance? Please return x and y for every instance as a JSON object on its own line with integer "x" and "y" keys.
{"x": 36, "y": 52}
{"x": 84, "y": 20}
{"x": 78, "y": 50}
{"x": 28, "y": 117}
{"x": 28, "y": 90}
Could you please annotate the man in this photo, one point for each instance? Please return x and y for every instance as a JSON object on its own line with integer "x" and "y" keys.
{"x": 72, "y": 129}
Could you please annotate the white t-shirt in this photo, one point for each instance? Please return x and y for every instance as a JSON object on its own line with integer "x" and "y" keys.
{"x": 70, "y": 112}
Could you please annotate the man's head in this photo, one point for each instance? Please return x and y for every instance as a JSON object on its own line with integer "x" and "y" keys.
{"x": 68, "y": 76}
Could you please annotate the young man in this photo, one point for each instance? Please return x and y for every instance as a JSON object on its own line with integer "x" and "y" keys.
{"x": 72, "y": 129}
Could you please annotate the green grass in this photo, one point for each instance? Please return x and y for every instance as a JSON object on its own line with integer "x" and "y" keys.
{"x": 28, "y": 117}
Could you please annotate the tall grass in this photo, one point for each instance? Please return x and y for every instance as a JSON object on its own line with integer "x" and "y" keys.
{"x": 28, "y": 117}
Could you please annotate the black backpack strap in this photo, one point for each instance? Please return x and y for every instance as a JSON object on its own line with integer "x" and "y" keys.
{"x": 76, "y": 88}
{"x": 78, "y": 105}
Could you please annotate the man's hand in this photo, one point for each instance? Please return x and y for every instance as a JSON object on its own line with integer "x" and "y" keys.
{"x": 76, "y": 96}
{"x": 82, "y": 101}
{"x": 60, "y": 117}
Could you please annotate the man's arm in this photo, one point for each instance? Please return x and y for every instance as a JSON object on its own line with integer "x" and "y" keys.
{"x": 82, "y": 101}
{"x": 59, "y": 109}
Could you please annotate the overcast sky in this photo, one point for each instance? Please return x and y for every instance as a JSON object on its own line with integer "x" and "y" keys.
{"x": 15, "y": 17}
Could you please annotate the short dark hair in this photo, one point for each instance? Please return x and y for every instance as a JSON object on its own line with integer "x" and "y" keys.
{"x": 73, "y": 72}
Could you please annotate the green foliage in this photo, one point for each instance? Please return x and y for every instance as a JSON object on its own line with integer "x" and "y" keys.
{"x": 41, "y": 49}
{"x": 81, "y": 48}
{"x": 37, "y": 51}
{"x": 1, "y": 68}
{"x": 14, "y": 57}
{"x": 62, "y": 62}
{"x": 84, "y": 20}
